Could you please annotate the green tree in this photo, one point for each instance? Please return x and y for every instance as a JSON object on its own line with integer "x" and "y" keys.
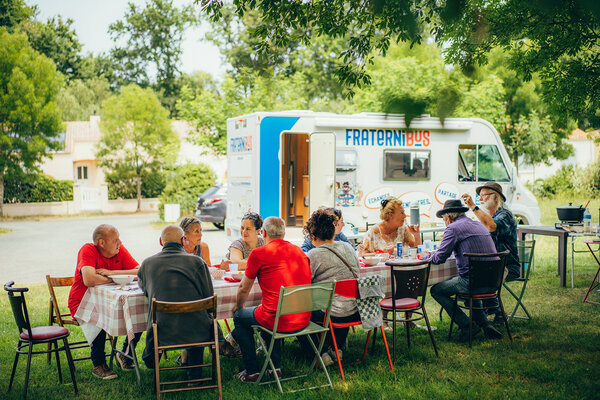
{"x": 57, "y": 41}
{"x": 184, "y": 184}
{"x": 153, "y": 37}
{"x": 80, "y": 99}
{"x": 137, "y": 134}
{"x": 29, "y": 117}
{"x": 14, "y": 12}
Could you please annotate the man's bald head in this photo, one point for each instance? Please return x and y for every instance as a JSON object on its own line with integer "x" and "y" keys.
{"x": 171, "y": 233}
{"x": 101, "y": 232}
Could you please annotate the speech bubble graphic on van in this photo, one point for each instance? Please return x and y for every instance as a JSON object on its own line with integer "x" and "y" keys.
{"x": 422, "y": 198}
{"x": 445, "y": 191}
{"x": 373, "y": 198}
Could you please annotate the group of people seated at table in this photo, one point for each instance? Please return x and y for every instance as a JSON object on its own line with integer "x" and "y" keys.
{"x": 180, "y": 273}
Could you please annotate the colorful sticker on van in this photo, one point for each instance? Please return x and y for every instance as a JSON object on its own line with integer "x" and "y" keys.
{"x": 445, "y": 191}
{"x": 373, "y": 199}
{"x": 347, "y": 194}
{"x": 422, "y": 198}
{"x": 241, "y": 144}
{"x": 387, "y": 137}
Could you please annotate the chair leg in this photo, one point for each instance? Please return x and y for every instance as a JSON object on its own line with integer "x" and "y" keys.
{"x": 70, "y": 363}
{"x": 407, "y": 329}
{"x": 318, "y": 357}
{"x": 337, "y": 353}
{"x": 470, "y": 322}
{"x": 12, "y": 374}
{"x": 505, "y": 321}
{"x": 387, "y": 349}
{"x": 29, "y": 353}
{"x": 57, "y": 361}
{"x": 364, "y": 357}
{"x": 50, "y": 315}
{"x": 429, "y": 330}
{"x": 452, "y": 316}
{"x": 394, "y": 334}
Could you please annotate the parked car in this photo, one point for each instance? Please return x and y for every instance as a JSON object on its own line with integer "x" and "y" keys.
{"x": 212, "y": 205}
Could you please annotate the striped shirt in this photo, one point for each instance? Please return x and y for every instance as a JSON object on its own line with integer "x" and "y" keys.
{"x": 463, "y": 236}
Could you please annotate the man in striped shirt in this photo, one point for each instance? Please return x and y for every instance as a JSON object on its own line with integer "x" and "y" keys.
{"x": 462, "y": 235}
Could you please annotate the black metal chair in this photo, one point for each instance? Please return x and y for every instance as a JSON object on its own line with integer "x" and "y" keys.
{"x": 28, "y": 337}
{"x": 526, "y": 250}
{"x": 409, "y": 290}
{"x": 486, "y": 272}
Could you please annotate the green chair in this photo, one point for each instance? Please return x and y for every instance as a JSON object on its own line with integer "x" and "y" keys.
{"x": 293, "y": 300}
{"x": 526, "y": 249}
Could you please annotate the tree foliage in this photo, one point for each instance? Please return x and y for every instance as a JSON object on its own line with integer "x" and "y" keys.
{"x": 137, "y": 134}
{"x": 184, "y": 184}
{"x": 29, "y": 116}
{"x": 81, "y": 98}
{"x": 152, "y": 37}
{"x": 122, "y": 184}
{"x": 36, "y": 188}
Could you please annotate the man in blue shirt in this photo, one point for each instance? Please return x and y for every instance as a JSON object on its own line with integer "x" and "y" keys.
{"x": 502, "y": 225}
{"x": 339, "y": 236}
{"x": 462, "y": 235}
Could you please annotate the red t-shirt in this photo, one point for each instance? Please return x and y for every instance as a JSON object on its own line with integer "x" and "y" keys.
{"x": 277, "y": 264}
{"x": 90, "y": 256}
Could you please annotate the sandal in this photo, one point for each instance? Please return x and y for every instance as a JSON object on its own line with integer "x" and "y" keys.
{"x": 179, "y": 362}
{"x": 227, "y": 350}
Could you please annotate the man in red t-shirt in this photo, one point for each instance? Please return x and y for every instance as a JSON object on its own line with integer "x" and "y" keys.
{"x": 95, "y": 262}
{"x": 277, "y": 263}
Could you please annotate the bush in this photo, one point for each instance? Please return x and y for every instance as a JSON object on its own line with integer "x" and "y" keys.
{"x": 122, "y": 185}
{"x": 589, "y": 182}
{"x": 36, "y": 188}
{"x": 184, "y": 185}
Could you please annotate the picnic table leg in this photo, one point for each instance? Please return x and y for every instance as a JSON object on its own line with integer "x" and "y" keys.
{"x": 562, "y": 259}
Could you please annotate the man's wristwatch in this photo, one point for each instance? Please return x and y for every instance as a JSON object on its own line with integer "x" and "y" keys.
{"x": 475, "y": 208}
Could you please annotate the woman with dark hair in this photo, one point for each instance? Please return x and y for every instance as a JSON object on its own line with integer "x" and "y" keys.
{"x": 192, "y": 241}
{"x": 240, "y": 249}
{"x": 338, "y": 223}
{"x": 332, "y": 260}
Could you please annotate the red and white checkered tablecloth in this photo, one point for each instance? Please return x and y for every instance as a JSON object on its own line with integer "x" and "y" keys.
{"x": 125, "y": 312}
{"x": 437, "y": 273}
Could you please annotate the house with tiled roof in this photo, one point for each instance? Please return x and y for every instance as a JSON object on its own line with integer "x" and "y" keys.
{"x": 77, "y": 162}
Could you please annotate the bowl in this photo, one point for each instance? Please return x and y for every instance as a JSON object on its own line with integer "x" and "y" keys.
{"x": 384, "y": 256}
{"x": 122, "y": 280}
{"x": 372, "y": 260}
{"x": 216, "y": 273}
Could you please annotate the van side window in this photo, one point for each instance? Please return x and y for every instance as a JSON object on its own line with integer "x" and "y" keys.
{"x": 481, "y": 163}
{"x": 400, "y": 165}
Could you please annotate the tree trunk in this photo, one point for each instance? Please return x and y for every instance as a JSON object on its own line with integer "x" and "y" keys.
{"x": 1, "y": 194}
{"x": 139, "y": 193}
{"x": 516, "y": 162}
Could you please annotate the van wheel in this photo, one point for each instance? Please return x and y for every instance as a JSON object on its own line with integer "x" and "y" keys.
{"x": 218, "y": 226}
{"x": 520, "y": 220}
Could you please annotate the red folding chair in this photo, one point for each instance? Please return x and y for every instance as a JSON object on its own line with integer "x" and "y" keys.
{"x": 349, "y": 288}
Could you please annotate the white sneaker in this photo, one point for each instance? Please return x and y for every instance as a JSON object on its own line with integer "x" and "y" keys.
{"x": 330, "y": 358}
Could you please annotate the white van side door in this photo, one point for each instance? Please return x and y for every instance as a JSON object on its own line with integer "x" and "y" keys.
{"x": 321, "y": 165}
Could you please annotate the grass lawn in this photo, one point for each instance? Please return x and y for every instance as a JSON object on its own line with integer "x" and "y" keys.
{"x": 556, "y": 355}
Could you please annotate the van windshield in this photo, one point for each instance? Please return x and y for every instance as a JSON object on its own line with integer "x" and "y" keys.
{"x": 481, "y": 163}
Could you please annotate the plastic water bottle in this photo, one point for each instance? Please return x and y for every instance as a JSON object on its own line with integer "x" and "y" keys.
{"x": 399, "y": 249}
{"x": 587, "y": 221}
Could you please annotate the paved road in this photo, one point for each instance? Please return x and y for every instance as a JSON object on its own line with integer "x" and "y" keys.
{"x": 43, "y": 246}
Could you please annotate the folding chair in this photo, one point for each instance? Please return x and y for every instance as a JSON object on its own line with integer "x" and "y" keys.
{"x": 293, "y": 300}
{"x": 409, "y": 282}
{"x": 349, "y": 288}
{"x": 180, "y": 308}
{"x": 56, "y": 317}
{"x": 526, "y": 250}
{"x": 28, "y": 337}
{"x": 486, "y": 271}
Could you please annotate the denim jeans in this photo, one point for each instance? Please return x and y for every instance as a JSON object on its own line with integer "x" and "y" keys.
{"x": 443, "y": 292}
{"x": 244, "y": 336}
{"x": 97, "y": 351}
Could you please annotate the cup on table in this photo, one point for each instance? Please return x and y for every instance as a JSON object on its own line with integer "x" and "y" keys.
{"x": 233, "y": 268}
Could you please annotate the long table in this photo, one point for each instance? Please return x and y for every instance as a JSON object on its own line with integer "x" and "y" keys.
{"x": 125, "y": 312}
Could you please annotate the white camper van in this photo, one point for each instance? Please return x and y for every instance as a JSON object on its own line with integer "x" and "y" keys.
{"x": 290, "y": 163}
